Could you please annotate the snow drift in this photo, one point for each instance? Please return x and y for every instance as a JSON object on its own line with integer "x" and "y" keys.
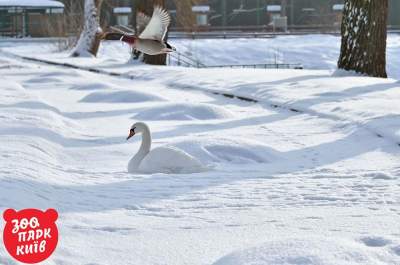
{"x": 119, "y": 97}
{"x": 314, "y": 251}
{"x": 182, "y": 111}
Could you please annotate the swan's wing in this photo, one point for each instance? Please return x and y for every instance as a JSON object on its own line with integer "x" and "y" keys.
{"x": 169, "y": 159}
{"x": 142, "y": 20}
{"x": 158, "y": 25}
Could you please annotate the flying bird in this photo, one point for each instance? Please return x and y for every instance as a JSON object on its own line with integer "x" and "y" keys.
{"x": 151, "y": 40}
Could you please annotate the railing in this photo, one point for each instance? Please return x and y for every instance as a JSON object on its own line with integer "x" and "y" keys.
{"x": 187, "y": 61}
{"x": 184, "y": 60}
{"x": 123, "y": 29}
{"x": 219, "y": 35}
{"x": 259, "y": 28}
{"x": 260, "y": 66}
{"x": 181, "y": 59}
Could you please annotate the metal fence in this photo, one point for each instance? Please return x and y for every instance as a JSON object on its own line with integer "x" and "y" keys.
{"x": 180, "y": 59}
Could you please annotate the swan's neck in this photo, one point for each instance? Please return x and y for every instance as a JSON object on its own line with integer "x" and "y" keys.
{"x": 146, "y": 142}
{"x": 143, "y": 150}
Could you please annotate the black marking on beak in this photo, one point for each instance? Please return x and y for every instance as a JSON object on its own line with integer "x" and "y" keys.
{"x": 131, "y": 134}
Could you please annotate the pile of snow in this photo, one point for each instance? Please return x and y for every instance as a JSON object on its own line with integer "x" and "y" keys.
{"x": 184, "y": 111}
{"x": 13, "y": 93}
{"x": 91, "y": 86}
{"x": 312, "y": 251}
{"x": 35, "y": 119}
{"x": 229, "y": 151}
{"x": 42, "y": 80}
{"x": 125, "y": 96}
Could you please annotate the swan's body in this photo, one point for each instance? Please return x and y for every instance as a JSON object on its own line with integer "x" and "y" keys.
{"x": 164, "y": 159}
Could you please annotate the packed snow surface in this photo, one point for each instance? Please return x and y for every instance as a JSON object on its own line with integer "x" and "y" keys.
{"x": 124, "y": 96}
{"x": 184, "y": 111}
{"x": 308, "y": 175}
{"x": 318, "y": 251}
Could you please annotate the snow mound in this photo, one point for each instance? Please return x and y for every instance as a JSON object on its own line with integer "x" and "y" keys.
{"x": 12, "y": 93}
{"x": 124, "y": 96}
{"x": 314, "y": 251}
{"x": 228, "y": 151}
{"x": 184, "y": 111}
{"x": 23, "y": 114}
{"x": 61, "y": 74}
{"x": 41, "y": 80}
{"x": 41, "y": 123}
{"x": 90, "y": 86}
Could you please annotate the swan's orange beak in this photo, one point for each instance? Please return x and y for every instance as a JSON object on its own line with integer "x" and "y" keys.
{"x": 131, "y": 133}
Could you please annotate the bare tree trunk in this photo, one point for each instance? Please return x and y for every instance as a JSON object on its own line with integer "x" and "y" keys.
{"x": 364, "y": 33}
{"x": 184, "y": 14}
{"x": 89, "y": 40}
{"x": 147, "y": 7}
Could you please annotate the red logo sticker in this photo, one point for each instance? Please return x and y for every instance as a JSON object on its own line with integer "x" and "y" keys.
{"x": 30, "y": 235}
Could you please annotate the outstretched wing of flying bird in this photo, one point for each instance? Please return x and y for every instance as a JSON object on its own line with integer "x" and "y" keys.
{"x": 158, "y": 25}
{"x": 142, "y": 20}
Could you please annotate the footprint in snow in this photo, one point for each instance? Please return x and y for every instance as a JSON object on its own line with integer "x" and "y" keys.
{"x": 396, "y": 250}
{"x": 375, "y": 241}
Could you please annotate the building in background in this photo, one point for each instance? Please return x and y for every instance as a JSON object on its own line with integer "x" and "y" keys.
{"x": 269, "y": 14}
{"x": 394, "y": 17}
{"x": 122, "y": 15}
{"x": 31, "y": 18}
{"x": 300, "y": 13}
{"x": 247, "y": 14}
{"x": 201, "y": 13}
{"x": 38, "y": 18}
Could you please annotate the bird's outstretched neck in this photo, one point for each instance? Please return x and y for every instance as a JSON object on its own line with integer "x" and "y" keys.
{"x": 130, "y": 39}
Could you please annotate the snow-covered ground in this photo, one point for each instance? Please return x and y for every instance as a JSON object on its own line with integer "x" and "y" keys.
{"x": 312, "y": 51}
{"x": 308, "y": 175}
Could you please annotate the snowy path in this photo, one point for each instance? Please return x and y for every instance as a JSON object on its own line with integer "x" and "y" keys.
{"x": 278, "y": 175}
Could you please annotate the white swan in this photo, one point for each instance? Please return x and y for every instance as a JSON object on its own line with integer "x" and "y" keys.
{"x": 161, "y": 159}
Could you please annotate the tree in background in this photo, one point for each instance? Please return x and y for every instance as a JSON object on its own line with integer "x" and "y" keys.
{"x": 364, "y": 32}
{"x": 89, "y": 40}
{"x": 184, "y": 13}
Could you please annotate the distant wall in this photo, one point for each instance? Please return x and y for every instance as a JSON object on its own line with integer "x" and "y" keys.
{"x": 394, "y": 13}
{"x": 31, "y": 23}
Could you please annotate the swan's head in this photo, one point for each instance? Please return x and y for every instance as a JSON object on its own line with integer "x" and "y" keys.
{"x": 138, "y": 127}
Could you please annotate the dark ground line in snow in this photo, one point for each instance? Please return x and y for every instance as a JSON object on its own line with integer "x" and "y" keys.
{"x": 227, "y": 95}
{"x": 99, "y": 71}
{"x": 68, "y": 65}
